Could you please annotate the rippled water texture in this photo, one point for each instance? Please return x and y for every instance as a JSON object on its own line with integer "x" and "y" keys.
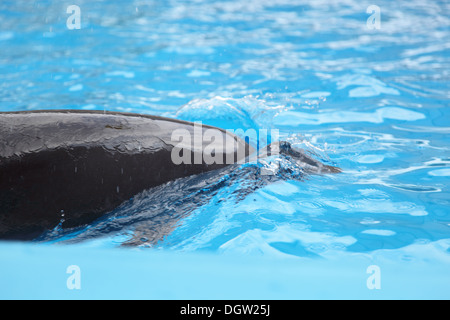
{"x": 373, "y": 101}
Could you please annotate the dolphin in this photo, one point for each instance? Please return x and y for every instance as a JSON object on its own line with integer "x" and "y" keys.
{"x": 67, "y": 168}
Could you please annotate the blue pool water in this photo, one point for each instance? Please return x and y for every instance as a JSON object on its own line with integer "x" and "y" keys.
{"x": 375, "y": 102}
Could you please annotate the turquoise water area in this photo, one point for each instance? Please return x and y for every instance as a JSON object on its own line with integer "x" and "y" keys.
{"x": 373, "y": 101}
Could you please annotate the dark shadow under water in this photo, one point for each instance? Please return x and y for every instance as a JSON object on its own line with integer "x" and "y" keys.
{"x": 154, "y": 213}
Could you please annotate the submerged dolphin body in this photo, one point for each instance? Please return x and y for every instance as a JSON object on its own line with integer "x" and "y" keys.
{"x": 67, "y": 168}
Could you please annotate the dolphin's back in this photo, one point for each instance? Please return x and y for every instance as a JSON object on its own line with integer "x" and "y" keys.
{"x": 68, "y": 168}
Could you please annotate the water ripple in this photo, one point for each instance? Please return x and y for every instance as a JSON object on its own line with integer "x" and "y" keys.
{"x": 374, "y": 102}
